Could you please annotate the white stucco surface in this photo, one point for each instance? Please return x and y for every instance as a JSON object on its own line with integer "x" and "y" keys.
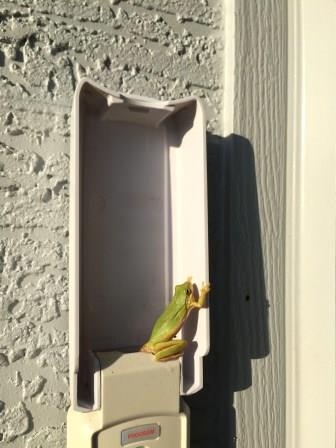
{"x": 164, "y": 49}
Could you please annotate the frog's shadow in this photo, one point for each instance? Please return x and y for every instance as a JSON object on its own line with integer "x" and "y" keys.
{"x": 237, "y": 301}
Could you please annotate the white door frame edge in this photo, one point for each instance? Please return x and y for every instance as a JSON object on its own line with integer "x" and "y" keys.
{"x": 310, "y": 225}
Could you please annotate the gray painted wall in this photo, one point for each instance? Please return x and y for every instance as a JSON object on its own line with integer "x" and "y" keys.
{"x": 164, "y": 49}
{"x": 260, "y": 116}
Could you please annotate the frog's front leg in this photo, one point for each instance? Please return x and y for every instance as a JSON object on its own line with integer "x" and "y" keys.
{"x": 200, "y": 303}
{"x": 165, "y": 351}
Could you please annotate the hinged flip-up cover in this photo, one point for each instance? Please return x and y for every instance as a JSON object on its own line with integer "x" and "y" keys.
{"x": 138, "y": 223}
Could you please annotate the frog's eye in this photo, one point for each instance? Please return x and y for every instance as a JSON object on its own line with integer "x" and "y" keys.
{"x": 188, "y": 291}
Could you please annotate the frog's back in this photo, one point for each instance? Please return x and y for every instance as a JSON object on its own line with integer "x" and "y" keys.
{"x": 168, "y": 324}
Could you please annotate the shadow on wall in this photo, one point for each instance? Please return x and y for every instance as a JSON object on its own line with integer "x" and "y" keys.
{"x": 238, "y": 304}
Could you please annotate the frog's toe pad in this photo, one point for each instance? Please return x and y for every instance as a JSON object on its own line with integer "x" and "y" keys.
{"x": 205, "y": 288}
{"x": 146, "y": 349}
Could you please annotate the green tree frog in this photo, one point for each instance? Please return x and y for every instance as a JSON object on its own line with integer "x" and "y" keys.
{"x": 161, "y": 342}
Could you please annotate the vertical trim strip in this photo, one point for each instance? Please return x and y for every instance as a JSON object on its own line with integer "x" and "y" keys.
{"x": 229, "y": 66}
{"x": 310, "y": 232}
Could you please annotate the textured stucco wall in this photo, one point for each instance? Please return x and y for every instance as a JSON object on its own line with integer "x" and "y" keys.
{"x": 165, "y": 49}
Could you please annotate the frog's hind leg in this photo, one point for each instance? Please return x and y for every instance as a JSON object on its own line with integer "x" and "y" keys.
{"x": 166, "y": 351}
